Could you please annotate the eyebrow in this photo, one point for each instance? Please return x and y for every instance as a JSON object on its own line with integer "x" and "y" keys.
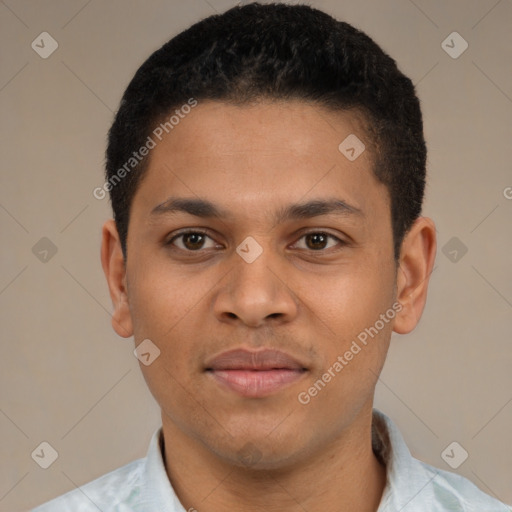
{"x": 206, "y": 209}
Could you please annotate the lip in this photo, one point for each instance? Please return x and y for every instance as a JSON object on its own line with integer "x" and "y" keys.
{"x": 255, "y": 373}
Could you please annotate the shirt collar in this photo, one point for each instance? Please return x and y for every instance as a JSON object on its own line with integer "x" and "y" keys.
{"x": 406, "y": 477}
{"x": 157, "y": 488}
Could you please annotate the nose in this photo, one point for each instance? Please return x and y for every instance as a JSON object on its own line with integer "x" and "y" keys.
{"x": 255, "y": 293}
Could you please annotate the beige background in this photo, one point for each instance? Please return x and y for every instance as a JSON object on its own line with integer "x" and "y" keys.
{"x": 65, "y": 376}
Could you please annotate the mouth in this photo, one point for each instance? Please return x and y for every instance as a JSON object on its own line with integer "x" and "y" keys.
{"x": 255, "y": 373}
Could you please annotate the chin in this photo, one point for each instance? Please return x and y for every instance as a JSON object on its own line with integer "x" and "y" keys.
{"x": 259, "y": 452}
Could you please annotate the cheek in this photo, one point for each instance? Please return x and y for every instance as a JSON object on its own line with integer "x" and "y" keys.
{"x": 349, "y": 325}
{"x": 162, "y": 304}
{"x": 159, "y": 299}
{"x": 351, "y": 300}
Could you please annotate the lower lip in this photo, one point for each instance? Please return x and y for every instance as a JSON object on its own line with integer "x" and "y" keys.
{"x": 257, "y": 383}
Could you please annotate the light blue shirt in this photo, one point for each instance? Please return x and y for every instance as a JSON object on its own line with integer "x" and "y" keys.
{"x": 412, "y": 486}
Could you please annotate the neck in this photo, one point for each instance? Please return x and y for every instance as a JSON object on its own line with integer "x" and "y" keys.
{"x": 344, "y": 476}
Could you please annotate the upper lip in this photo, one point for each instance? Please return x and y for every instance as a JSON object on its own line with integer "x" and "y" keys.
{"x": 243, "y": 359}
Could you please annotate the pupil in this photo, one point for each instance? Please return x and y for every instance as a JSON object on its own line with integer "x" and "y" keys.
{"x": 317, "y": 238}
{"x": 195, "y": 240}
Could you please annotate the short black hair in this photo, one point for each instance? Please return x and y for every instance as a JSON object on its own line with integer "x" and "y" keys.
{"x": 276, "y": 52}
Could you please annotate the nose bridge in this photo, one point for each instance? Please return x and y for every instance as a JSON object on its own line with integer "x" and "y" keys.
{"x": 255, "y": 275}
{"x": 255, "y": 290}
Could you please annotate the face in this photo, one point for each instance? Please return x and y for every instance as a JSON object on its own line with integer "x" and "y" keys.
{"x": 293, "y": 252}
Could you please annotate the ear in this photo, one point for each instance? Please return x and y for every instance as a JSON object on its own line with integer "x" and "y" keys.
{"x": 417, "y": 256}
{"x": 113, "y": 264}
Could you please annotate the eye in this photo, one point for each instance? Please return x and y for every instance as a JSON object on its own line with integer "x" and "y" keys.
{"x": 191, "y": 240}
{"x": 318, "y": 240}
{"x": 195, "y": 240}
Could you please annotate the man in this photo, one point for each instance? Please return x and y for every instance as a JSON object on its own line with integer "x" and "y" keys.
{"x": 266, "y": 170}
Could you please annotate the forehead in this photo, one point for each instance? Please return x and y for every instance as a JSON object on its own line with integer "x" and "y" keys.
{"x": 254, "y": 156}
{"x": 266, "y": 128}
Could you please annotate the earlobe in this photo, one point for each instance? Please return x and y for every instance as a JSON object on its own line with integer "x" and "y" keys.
{"x": 113, "y": 264}
{"x": 417, "y": 258}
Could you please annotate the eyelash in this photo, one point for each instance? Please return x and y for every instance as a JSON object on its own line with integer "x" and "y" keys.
{"x": 205, "y": 233}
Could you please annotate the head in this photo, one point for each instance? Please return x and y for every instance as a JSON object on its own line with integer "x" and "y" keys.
{"x": 243, "y": 118}
{"x": 275, "y": 52}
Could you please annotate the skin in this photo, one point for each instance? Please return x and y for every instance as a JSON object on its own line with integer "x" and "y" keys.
{"x": 308, "y": 298}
